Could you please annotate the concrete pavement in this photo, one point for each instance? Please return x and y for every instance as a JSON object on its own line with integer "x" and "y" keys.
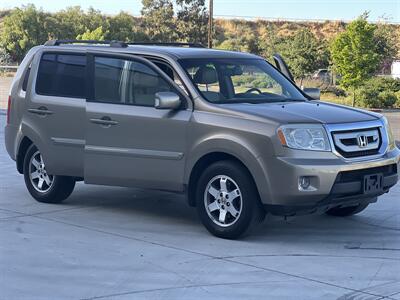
{"x": 120, "y": 243}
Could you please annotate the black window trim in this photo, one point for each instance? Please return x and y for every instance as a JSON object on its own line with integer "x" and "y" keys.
{"x": 76, "y": 53}
{"x": 132, "y": 57}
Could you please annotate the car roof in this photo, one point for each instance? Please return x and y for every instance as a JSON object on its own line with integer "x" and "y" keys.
{"x": 153, "y": 50}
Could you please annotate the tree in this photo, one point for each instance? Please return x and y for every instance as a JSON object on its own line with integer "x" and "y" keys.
{"x": 240, "y": 37}
{"x": 355, "y": 53}
{"x": 73, "y": 21}
{"x": 22, "y": 29}
{"x": 300, "y": 52}
{"x": 97, "y": 35}
{"x": 158, "y": 20}
{"x": 387, "y": 45}
{"x": 124, "y": 27}
{"x": 192, "y": 21}
{"x": 70, "y": 22}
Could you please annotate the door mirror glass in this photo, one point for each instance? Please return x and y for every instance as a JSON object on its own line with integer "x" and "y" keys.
{"x": 167, "y": 100}
{"x": 314, "y": 93}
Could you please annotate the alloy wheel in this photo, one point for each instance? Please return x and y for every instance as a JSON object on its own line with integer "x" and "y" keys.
{"x": 223, "y": 200}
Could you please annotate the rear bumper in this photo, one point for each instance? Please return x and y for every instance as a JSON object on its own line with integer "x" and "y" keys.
{"x": 10, "y": 134}
{"x": 334, "y": 182}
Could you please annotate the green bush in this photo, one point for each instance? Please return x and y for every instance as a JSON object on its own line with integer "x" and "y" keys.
{"x": 368, "y": 97}
{"x": 398, "y": 99}
{"x": 379, "y": 92}
{"x": 387, "y": 99}
{"x": 5, "y": 58}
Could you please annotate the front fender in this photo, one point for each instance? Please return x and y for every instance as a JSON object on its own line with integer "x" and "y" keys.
{"x": 239, "y": 148}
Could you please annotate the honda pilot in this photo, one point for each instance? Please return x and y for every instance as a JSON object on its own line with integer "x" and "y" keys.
{"x": 228, "y": 129}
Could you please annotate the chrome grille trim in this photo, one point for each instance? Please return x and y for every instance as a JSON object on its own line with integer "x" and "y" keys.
{"x": 359, "y": 127}
{"x": 353, "y": 136}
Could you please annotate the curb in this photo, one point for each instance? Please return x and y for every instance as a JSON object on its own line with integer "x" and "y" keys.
{"x": 379, "y": 110}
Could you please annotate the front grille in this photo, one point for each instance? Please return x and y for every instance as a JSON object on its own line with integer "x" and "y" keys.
{"x": 358, "y": 142}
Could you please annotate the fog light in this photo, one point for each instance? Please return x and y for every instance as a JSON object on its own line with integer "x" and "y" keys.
{"x": 304, "y": 182}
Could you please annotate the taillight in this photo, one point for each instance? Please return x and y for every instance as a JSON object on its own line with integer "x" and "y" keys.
{"x": 8, "y": 109}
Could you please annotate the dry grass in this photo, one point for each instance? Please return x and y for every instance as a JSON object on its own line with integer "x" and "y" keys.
{"x": 331, "y": 97}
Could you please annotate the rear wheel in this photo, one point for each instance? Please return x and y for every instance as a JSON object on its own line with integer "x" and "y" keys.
{"x": 41, "y": 185}
{"x": 227, "y": 200}
{"x": 346, "y": 211}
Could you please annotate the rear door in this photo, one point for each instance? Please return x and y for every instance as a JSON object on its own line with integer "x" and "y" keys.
{"x": 55, "y": 114}
{"x": 128, "y": 141}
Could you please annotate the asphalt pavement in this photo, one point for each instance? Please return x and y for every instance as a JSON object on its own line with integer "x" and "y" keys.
{"x": 120, "y": 243}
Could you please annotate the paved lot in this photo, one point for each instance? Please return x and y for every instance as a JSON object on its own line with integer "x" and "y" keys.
{"x": 119, "y": 243}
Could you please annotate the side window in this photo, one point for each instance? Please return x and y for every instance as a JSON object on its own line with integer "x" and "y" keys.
{"x": 172, "y": 74}
{"x": 126, "y": 82}
{"x": 62, "y": 75}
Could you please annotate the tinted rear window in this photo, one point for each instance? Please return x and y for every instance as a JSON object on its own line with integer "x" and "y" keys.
{"x": 62, "y": 75}
{"x": 26, "y": 78}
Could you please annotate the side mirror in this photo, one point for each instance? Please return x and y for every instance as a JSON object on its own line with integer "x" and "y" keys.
{"x": 167, "y": 100}
{"x": 314, "y": 93}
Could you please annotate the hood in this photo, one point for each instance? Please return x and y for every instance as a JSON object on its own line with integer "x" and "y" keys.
{"x": 304, "y": 112}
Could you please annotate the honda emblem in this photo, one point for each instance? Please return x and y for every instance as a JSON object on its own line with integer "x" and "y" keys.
{"x": 362, "y": 141}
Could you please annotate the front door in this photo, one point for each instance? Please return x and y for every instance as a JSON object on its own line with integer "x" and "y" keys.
{"x": 128, "y": 141}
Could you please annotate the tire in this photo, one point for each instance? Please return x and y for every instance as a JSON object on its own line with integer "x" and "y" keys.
{"x": 239, "y": 208}
{"x": 42, "y": 186}
{"x": 346, "y": 211}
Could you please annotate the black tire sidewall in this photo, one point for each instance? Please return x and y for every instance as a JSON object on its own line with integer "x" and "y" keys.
{"x": 61, "y": 188}
{"x": 251, "y": 208}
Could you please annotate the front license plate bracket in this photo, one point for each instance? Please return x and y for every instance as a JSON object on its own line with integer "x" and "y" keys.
{"x": 373, "y": 183}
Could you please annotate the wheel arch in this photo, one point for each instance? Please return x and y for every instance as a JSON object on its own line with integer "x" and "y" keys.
{"x": 201, "y": 158}
{"x": 29, "y": 136}
{"x": 22, "y": 149}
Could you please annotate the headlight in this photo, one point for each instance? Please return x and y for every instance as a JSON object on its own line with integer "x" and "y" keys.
{"x": 390, "y": 137}
{"x": 304, "y": 137}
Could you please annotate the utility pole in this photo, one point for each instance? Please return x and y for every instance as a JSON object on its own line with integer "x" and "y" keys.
{"x": 210, "y": 23}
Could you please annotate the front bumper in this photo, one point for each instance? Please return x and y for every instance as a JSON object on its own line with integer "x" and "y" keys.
{"x": 334, "y": 182}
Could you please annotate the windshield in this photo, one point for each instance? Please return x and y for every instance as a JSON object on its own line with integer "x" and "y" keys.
{"x": 240, "y": 80}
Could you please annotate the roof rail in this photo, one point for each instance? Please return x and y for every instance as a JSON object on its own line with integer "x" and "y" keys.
{"x": 118, "y": 44}
{"x": 115, "y": 44}
{"x": 173, "y": 44}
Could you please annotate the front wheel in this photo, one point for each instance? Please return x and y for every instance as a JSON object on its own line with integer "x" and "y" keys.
{"x": 227, "y": 200}
{"x": 346, "y": 211}
{"x": 41, "y": 185}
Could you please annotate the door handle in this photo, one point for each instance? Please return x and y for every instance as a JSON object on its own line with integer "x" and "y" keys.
{"x": 105, "y": 121}
{"x": 40, "y": 111}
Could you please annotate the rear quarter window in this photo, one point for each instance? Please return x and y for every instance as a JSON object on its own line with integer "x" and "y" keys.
{"x": 62, "y": 75}
{"x": 26, "y": 78}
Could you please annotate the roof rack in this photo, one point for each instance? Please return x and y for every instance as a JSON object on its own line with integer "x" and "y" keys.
{"x": 118, "y": 44}
{"x": 115, "y": 44}
{"x": 172, "y": 44}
